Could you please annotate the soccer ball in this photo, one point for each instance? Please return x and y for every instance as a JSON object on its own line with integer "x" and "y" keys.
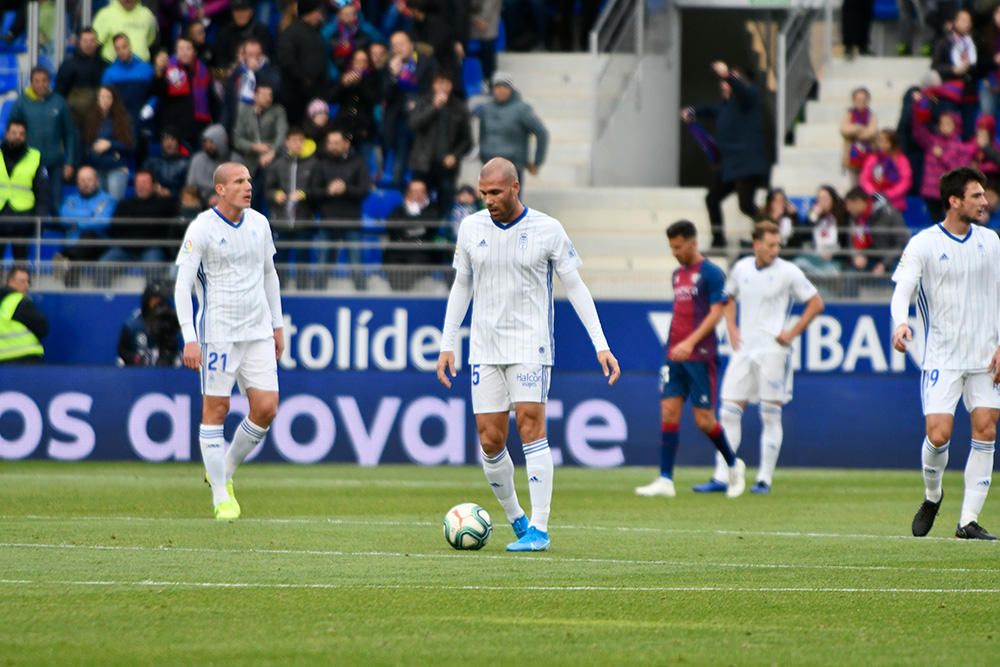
{"x": 467, "y": 526}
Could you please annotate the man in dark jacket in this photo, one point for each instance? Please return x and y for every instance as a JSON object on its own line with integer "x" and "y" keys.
{"x": 22, "y": 165}
{"x": 442, "y": 135}
{"x": 133, "y": 77}
{"x": 170, "y": 167}
{"x": 302, "y": 59}
{"x": 338, "y": 184}
{"x": 79, "y": 76}
{"x": 409, "y": 76}
{"x": 416, "y": 223}
{"x": 739, "y": 134}
{"x": 878, "y": 231}
{"x": 50, "y": 130}
{"x": 242, "y": 27}
{"x": 133, "y": 222}
{"x": 22, "y": 324}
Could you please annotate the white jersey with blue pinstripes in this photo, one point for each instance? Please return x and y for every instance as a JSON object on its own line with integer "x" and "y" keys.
{"x": 958, "y": 295}
{"x": 512, "y": 268}
{"x": 230, "y": 256}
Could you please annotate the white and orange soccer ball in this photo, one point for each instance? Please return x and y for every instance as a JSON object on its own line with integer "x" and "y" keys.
{"x": 467, "y": 526}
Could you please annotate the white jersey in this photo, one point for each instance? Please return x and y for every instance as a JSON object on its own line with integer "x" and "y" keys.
{"x": 511, "y": 267}
{"x": 765, "y": 297}
{"x": 958, "y": 295}
{"x": 230, "y": 257}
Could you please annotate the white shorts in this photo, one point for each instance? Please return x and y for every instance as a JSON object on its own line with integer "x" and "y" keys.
{"x": 498, "y": 388}
{"x": 941, "y": 389}
{"x": 758, "y": 376}
{"x": 250, "y": 364}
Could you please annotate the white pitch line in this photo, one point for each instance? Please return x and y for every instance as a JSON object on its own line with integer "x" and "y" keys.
{"x": 149, "y": 583}
{"x": 701, "y": 565}
{"x": 411, "y": 524}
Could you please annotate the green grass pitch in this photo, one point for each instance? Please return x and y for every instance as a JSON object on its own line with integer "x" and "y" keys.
{"x": 122, "y": 564}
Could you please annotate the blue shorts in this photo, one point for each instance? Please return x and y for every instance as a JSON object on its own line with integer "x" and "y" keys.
{"x": 696, "y": 380}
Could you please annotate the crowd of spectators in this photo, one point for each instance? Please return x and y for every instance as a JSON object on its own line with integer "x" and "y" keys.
{"x": 334, "y": 99}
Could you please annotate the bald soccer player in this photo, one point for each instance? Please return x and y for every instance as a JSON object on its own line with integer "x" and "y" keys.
{"x": 227, "y": 258}
{"x": 504, "y": 261}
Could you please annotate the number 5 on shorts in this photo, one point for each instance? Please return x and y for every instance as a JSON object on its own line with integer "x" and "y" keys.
{"x": 475, "y": 374}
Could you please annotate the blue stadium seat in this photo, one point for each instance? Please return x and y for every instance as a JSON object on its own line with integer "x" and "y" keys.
{"x": 5, "y": 108}
{"x": 8, "y": 73}
{"x": 472, "y": 74}
{"x": 380, "y": 203}
{"x": 886, "y": 10}
{"x": 916, "y": 214}
{"x": 373, "y": 230}
{"x": 19, "y": 45}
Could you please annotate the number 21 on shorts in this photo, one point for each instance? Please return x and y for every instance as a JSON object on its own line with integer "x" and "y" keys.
{"x": 214, "y": 359}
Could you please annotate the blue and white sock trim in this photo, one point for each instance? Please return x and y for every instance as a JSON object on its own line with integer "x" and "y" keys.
{"x": 536, "y": 447}
{"x": 931, "y": 449}
{"x": 732, "y": 409}
{"x": 210, "y": 432}
{"x": 981, "y": 446}
{"x": 770, "y": 409}
{"x": 495, "y": 459}
{"x": 253, "y": 431}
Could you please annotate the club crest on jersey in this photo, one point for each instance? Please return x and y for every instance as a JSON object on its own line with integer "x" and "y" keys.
{"x": 522, "y": 240}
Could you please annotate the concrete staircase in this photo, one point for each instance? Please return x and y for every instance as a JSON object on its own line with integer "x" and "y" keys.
{"x": 560, "y": 88}
{"x": 620, "y": 233}
{"x": 815, "y": 159}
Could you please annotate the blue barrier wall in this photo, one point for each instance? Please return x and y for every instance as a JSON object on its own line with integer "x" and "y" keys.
{"x": 357, "y": 386}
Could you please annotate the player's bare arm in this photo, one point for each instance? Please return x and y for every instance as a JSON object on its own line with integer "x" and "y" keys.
{"x": 814, "y": 307}
{"x": 446, "y": 367}
{"x": 735, "y": 339}
{"x": 684, "y": 349}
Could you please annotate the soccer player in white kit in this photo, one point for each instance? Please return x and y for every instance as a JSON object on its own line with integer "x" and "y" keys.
{"x": 760, "y": 368}
{"x": 228, "y": 258}
{"x": 954, "y": 266}
{"x": 504, "y": 260}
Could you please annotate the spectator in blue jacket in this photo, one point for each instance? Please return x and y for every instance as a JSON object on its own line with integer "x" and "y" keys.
{"x": 50, "y": 130}
{"x": 739, "y": 134}
{"x": 86, "y": 215}
{"x": 132, "y": 76}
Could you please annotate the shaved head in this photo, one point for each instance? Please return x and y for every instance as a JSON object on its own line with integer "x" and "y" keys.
{"x": 499, "y": 169}
{"x": 224, "y": 172}
{"x": 499, "y": 188}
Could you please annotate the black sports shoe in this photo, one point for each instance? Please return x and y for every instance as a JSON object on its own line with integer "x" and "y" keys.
{"x": 923, "y": 520}
{"x": 973, "y": 531}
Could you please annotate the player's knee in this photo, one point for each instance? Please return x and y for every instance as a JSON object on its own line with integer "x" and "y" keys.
{"x": 704, "y": 420}
{"x": 491, "y": 440}
{"x": 985, "y": 431}
{"x": 938, "y": 435}
{"x": 214, "y": 412}
{"x": 264, "y": 413}
{"x": 531, "y": 429}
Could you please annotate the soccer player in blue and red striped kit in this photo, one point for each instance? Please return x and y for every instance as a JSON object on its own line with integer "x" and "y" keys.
{"x": 690, "y": 369}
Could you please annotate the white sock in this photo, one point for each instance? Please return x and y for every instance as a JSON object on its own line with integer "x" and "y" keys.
{"x": 538, "y": 460}
{"x": 978, "y": 474}
{"x": 213, "y": 452}
{"x": 499, "y": 471}
{"x": 771, "y": 434}
{"x": 248, "y": 435}
{"x": 731, "y": 416}
{"x": 935, "y": 460}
